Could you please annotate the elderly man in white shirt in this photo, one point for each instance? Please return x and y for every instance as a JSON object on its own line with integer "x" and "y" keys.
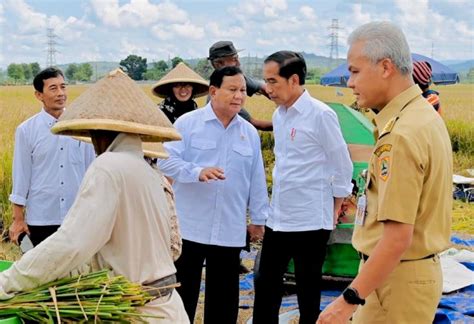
{"x": 47, "y": 168}
{"x": 312, "y": 175}
{"x": 218, "y": 174}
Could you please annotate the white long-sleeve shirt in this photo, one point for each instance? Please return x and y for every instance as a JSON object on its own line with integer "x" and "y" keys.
{"x": 215, "y": 213}
{"x": 120, "y": 220}
{"x": 312, "y": 166}
{"x": 47, "y": 170}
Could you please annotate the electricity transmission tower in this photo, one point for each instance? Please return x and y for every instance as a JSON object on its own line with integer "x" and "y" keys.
{"x": 51, "y": 55}
{"x": 334, "y": 45}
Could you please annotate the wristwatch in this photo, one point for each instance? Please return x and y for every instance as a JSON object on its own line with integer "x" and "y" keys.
{"x": 351, "y": 296}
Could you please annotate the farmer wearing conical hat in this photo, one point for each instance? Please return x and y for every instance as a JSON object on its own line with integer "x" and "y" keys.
{"x": 119, "y": 219}
{"x": 179, "y": 88}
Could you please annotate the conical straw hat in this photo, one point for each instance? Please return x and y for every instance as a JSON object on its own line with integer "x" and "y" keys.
{"x": 181, "y": 73}
{"x": 116, "y": 103}
{"x": 150, "y": 149}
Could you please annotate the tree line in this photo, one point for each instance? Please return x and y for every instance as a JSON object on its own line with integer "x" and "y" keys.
{"x": 22, "y": 73}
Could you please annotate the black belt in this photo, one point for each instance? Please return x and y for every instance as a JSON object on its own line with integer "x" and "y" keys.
{"x": 366, "y": 257}
{"x": 160, "y": 288}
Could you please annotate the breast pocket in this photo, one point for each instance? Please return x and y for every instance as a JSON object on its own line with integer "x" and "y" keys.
{"x": 76, "y": 152}
{"x": 241, "y": 159}
{"x": 203, "y": 152}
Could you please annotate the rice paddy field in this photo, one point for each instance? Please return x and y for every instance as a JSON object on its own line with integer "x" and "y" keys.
{"x": 17, "y": 103}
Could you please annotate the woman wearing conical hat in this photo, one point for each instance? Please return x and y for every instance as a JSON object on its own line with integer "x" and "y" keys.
{"x": 120, "y": 219}
{"x": 179, "y": 88}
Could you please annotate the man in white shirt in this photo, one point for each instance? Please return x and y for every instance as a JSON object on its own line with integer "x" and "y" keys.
{"x": 47, "y": 169}
{"x": 312, "y": 175}
{"x": 218, "y": 173}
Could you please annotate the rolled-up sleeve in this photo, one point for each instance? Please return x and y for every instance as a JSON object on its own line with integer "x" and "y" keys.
{"x": 86, "y": 228}
{"x": 22, "y": 166}
{"x": 337, "y": 153}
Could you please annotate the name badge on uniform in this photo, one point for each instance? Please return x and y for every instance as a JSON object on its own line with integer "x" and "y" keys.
{"x": 361, "y": 210}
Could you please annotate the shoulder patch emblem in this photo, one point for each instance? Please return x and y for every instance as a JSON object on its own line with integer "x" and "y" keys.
{"x": 384, "y": 165}
{"x": 383, "y": 148}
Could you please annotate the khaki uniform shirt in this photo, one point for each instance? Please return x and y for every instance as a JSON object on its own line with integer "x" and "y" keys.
{"x": 119, "y": 220}
{"x": 410, "y": 177}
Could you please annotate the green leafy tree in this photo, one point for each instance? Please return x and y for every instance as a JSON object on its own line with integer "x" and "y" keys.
{"x": 175, "y": 61}
{"x": 84, "y": 72}
{"x": 134, "y": 66}
{"x": 71, "y": 72}
{"x": 157, "y": 71}
{"x": 35, "y": 68}
{"x": 161, "y": 66}
{"x": 204, "y": 68}
{"x": 15, "y": 71}
{"x": 26, "y": 71}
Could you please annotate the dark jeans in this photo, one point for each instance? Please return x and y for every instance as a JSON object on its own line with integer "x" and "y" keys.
{"x": 221, "y": 302}
{"x": 40, "y": 233}
{"x": 308, "y": 250}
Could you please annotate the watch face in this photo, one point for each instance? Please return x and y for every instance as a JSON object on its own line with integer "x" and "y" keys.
{"x": 351, "y": 296}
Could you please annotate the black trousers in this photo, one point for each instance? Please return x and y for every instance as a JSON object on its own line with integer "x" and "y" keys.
{"x": 39, "y": 233}
{"x": 308, "y": 250}
{"x": 221, "y": 301}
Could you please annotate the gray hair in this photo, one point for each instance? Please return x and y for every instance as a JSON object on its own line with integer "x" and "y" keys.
{"x": 384, "y": 40}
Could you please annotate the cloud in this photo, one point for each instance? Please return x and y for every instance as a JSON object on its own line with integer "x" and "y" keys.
{"x": 249, "y": 9}
{"x": 186, "y": 30}
{"x": 136, "y": 13}
{"x": 217, "y": 31}
{"x": 27, "y": 20}
{"x": 308, "y": 13}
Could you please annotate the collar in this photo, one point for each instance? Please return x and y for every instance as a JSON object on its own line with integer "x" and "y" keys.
{"x": 300, "y": 104}
{"x": 47, "y": 118}
{"x": 126, "y": 142}
{"x": 396, "y": 105}
{"x": 209, "y": 114}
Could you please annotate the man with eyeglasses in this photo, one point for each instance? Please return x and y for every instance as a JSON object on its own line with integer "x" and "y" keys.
{"x": 224, "y": 53}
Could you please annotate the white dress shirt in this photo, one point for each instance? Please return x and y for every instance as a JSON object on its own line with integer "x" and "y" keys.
{"x": 47, "y": 170}
{"x": 215, "y": 213}
{"x": 312, "y": 166}
{"x": 118, "y": 221}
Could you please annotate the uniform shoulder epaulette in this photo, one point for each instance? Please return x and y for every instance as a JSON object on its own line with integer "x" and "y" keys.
{"x": 388, "y": 126}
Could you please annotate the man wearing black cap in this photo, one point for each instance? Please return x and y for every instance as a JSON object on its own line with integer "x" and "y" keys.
{"x": 224, "y": 53}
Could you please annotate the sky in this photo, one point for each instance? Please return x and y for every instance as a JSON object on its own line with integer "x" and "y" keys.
{"x": 109, "y": 30}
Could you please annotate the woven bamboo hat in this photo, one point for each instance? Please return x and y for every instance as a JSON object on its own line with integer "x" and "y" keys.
{"x": 181, "y": 73}
{"x": 150, "y": 149}
{"x": 116, "y": 103}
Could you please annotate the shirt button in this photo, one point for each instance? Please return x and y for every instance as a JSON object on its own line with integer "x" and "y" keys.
{"x": 61, "y": 165}
{"x": 62, "y": 199}
{"x": 61, "y": 148}
{"x": 62, "y": 182}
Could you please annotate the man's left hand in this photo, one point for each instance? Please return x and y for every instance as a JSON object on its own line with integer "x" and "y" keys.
{"x": 256, "y": 232}
{"x": 338, "y": 312}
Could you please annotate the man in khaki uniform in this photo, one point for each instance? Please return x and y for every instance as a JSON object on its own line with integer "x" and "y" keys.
{"x": 407, "y": 219}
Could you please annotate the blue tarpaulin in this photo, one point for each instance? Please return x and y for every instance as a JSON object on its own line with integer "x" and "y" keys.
{"x": 441, "y": 73}
{"x": 456, "y": 307}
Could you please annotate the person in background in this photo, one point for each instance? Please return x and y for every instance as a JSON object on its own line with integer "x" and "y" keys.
{"x": 120, "y": 219}
{"x": 422, "y": 74}
{"x": 311, "y": 177}
{"x": 218, "y": 175}
{"x": 179, "y": 88}
{"x": 404, "y": 217}
{"x": 224, "y": 53}
{"x": 47, "y": 168}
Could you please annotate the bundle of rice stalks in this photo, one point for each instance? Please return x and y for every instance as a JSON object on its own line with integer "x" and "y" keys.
{"x": 93, "y": 297}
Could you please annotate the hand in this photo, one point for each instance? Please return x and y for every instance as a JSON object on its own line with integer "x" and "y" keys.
{"x": 338, "y": 312}
{"x": 335, "y": 219}
{"x": 211, "y": 173}
{"x": 256, "y": 232}
{"x": 16, "y": 228}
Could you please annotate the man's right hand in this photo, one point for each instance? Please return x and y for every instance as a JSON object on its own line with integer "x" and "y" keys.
{"x": 211, "y": 173}
{"x": 16, "y": 228}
